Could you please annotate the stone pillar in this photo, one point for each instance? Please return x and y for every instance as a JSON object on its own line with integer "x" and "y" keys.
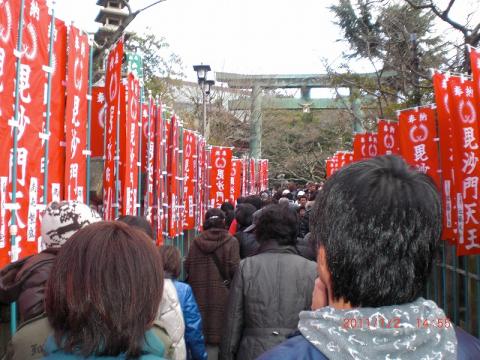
{"x": 256, "y": 123}
{"x": 357, "y": 112}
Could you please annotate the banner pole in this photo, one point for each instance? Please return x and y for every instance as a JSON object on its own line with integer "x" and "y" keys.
{"x": 89, "y": 118}
{"x": 13, "y": 220}
{"x": 49, "y": 97}
{"x": 139, "y": 165}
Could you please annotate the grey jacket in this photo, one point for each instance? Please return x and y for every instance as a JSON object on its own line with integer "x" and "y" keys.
{"x": 267, "y": 294}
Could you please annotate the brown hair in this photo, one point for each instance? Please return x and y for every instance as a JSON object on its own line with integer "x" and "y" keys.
{"x": 171, "y": 258}
{"x": 104, "y": 290}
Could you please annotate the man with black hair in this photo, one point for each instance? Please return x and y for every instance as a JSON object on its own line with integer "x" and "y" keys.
{"x": 376, "y": 224}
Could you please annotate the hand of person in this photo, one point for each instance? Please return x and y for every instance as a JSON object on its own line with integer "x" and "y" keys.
{"x": 320, "y": 295}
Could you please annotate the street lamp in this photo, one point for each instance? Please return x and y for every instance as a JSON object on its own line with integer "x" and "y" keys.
{"x": 208, "y": 86}
{"x": 205, "y": 84}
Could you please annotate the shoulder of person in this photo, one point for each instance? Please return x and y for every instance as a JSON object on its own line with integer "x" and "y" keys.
{"x": 468, "y": 345}
{"x": 27, "y": 343}
{"x": 297, "y": 347}
{"x": 160, "y": 332}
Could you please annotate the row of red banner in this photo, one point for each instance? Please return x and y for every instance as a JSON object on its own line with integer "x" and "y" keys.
{"x": 180, "y": 179}
{"x": 441, "y": 140}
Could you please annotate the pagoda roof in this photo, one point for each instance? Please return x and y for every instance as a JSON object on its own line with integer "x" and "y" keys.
{"x": 111, "y": 13}
{"x": 104, "y": 3}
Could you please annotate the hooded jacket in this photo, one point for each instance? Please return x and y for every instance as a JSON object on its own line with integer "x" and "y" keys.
{"x": 170, "y": 318}
{"x": 24, "y": 282}
{"x": 206, "y": 280}
{"x": 267, "y": 294}
{"x": 418, "y": 330}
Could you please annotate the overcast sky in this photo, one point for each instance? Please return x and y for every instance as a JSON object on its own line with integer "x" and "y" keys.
{"x": 243, "y": 36}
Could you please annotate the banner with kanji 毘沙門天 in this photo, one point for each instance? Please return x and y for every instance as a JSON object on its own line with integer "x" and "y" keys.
{"x": 463, "y": 112}
{"x": 221, "y": 167}
{"x": 76, "y": 115}
{"x": 112, "y": 96}
{"x": 235, "y": 181}
{"x": 98, "y": 121}
{"x": 189, "y": 159}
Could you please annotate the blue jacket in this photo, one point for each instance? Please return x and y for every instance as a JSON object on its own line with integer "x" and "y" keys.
{"x": 297, "y": 347}
{"x": 193, "y": 322}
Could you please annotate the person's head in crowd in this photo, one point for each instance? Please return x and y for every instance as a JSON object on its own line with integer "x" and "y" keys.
{"x": 139, "y": 222}
{"x": 255, "y": 200}
{"x": 283, "y": 201}
{"x": 104, "y": 291}
{"x": 292, "y": 187}
{"x": 172, "y": 261}
{"x": 277, "y": 195}
{"x": 312, "y": 196}
{"x": 302, "y": 199}
{"x": 63, "y": 219}
{"x": 244, "y": 215}
{"x": 241, "y": 200}
{"x": 228, "y": 209}
{"x": 277, "y": 223}
{"x": 376, "y": 224}
{"x": 311, "y": 188}
{"x": 301, "y": 211}
{"x": 214, "y": 219}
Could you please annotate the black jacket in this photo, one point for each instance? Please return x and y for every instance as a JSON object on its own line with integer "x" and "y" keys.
{"x": 268, "y": 292}
{"x": 248, "y": 244}
{"x": 306, "y": 247}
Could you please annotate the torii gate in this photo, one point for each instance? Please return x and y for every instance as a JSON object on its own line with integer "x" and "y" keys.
{"x": 304, "y": 82}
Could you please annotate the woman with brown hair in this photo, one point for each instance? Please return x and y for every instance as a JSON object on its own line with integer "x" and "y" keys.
{"x": 103, "y": 296}
{"x": 211, "y": 263}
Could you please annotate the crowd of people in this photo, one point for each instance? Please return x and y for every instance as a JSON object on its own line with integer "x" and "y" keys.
{"x": 332, "y": 271}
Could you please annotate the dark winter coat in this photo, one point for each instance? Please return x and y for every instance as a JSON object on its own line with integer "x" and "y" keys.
{"x": 206, "y": 280}
{"x": 267, "y": 294}
{"x": 24, "y": 282}
{"x": 304, "y": 225}
{"x": 298, "y": 347}
{"x": 306, "y": 247}
{"x": 248, "y": 244}
{"x": 193, "y": 322}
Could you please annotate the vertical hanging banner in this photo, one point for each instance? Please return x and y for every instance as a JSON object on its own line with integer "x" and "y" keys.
{"x": 244, "y": 177}
{"x": 235, "y": 180}
{"x": 159, "y": 177}
{"x": 9, "y": 13}
{"x": 265, "y": 175}
{"x": 149, "y": 162}
{"x": 56, "y": 155}
{"x": 130, "y": 176}
{"x": 173, "y": 201}
{"x": 98, "y": 120}
{"x": 418, "y": 136}
{"x": 364, "y": 146}
{"x": 328, "y": 167}
{"x": 253, "y": 175}
{"x": 464, "y": 117}
{"x": 112, "y": 89}
{"x": 189, "y": 158}
{"x": 201, "y": 181}
{"x": 445, "y": 133}
{"x": 221, "y": 163}
{"x": 388, "y": 141}
{"x": 30, "y": 127}
{"x": 76, "y": 115}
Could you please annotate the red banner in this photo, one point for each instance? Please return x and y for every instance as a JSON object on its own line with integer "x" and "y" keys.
{"x": 467, "y": 171}
{"x": 418, "y": 147}
{"x": 388, "y": 140}
{"x": 56, "y": 154}
{"x": 236, "y": 180}
{"x": 130, "y": 176}
{"x": 221, "y": 168}
{"x": 201, "y": 181}
{"x": 253, "y": 174}
{"x": 76, "y": 115}
{"x": 364, "y": 146}
{"x": 9, "y": 18}
{"x": 189, "y": 159}
{"x": 112, "y": 89}
{"x": 446, "y": 157}
{"x": 244, "y": 177}
{"x": 173, "y": 181}
{"x": 160, "y": 176}
{"x": 98, "y": 121}
{"x": 149, "y": 127}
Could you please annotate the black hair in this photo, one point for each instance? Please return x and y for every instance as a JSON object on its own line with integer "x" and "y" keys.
{"x": 244, "y": 214}
{"x": 255, "y": 200}
{"x": 226, "y": 206}
{"x": 278, "y": 223}
{"x": 214, "y": 218}
{"x": 139, "y": 222}
{"x": 380, "y": 222}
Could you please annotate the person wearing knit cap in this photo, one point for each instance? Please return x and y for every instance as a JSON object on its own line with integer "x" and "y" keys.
{"x": 24, "y": 281}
